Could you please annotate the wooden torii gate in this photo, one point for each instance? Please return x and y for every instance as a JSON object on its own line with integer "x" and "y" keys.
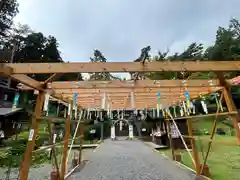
{"x": 119, "y": 91}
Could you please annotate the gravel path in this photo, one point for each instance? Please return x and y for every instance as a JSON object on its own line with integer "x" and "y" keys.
{"x": 129, "y": 160}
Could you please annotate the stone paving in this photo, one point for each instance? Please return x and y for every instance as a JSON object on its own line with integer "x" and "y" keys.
{"x": 130, "y": 160}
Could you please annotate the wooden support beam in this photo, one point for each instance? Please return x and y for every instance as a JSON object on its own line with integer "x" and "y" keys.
{"x": 81, "y": 137}
{"x": 65, "y": 145}
{"x": 131, "y": 84}
{"x": 230, "y": 105}
{"x": 135, "y": 90}
{"x": 52, "y": 78}
{"x": 53, "y": 149}
{"x": 23, "y": 175}
{"x": 5, "y": 70}
{"x": 91, "y": 67}
{"x": 194, "y": 147}
{"x": 213, "y": 129}
{"x": 165, "y": 95}
{"x": 30, "y": 82}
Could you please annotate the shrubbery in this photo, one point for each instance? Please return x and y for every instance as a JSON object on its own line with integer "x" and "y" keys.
{"x": 16, "y": 148}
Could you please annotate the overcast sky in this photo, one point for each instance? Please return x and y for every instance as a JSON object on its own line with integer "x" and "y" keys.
{"x": 120, "y": 28}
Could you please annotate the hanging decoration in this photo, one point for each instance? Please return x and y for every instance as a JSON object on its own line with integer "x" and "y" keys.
{"x": 75, "y": 99}
{"x": 193, "y": 108}
{"x": 69, "y": 109}
{"x": 132, "y": 100}
{"x": 181, "y": 110}
{"x": 154, "y": 115}
{"x": 159, "y": 105}
{"x": 65, "y": 112}
{"x": 188, "y": 102}
{"x": 103, "y": 100}
{"x": 46, "y": 102}
{"x": 204, "y": 105}
{"x": 75, "y": 113}
{"x": 174, "y": 111}
{"x": 16, "y": 100}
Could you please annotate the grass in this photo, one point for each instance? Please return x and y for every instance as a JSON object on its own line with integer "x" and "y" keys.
{"x": 223, "y": 160}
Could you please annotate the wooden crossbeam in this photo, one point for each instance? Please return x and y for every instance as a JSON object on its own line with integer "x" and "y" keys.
{"x": 91, "y": 67}
{"x": 5, "y": 70}
{"x": 130, "y": 84}
{"x": 135, "y": 90}
{"x": 25, "y": 80}
{"x": 137, "y": 95}
{"x": 52, "y": 78}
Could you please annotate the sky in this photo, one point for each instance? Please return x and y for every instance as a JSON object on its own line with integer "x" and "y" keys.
{"x": 120, "y": 28}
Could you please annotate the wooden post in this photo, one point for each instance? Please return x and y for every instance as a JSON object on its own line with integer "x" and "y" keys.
{"x": 231, "y": 107}
{"x": 65, "y": 145}
{"x": 230, "y": 104}
{"x": 31, "y": 143}
{"x": 194, "y": 148}
{"x": 170, "y": 139}
{"x": 53, "y": 148}
{"x": 81, "y": 133}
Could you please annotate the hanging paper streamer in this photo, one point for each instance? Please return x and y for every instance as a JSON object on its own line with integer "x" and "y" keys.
{"x": 187, "y": 99}
{"x": 65, "y": 112}
{"x": 15, "y": 101}
{"x": 174, "y": 111}
{"x": 193, "y": 108}
{"x": 159, "y": 100}
{"x": 204, "y": 107}
{"x": 46, "y": 102}
{"x": 154, "y": 115}
{"x": 103, "y": 101}
{"x": 75, "y": 99}
{"x": 69, "y": 109}
{"x": 158, "y": 111}
{"x": 181, "y": 111}
{"x": 184, "y": 107}
{"x": 75, "y": 115}
{"x": 88, "y": 112}
{"x": 108, "y": 110}
{"x": 132, "y": 100}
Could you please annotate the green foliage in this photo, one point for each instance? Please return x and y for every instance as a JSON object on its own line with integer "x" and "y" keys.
{"x": 16, "y": 147}
{"x": 226, "y": 47}
{"x": 8, "y": 10}
{"x": 99, "y": 57}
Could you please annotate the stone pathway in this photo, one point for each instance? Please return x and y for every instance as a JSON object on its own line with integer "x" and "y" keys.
{"x": 129, "y": 160}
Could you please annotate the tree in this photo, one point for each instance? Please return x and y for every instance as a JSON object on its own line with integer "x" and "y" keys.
{"x": 8, "y": 10}
{"x": 99, "y": 57}
{"x": 144, "y": 56}
{"x": 33, "y": 47}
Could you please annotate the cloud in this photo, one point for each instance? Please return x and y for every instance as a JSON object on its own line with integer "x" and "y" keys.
{"x": 120, "y": 28}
